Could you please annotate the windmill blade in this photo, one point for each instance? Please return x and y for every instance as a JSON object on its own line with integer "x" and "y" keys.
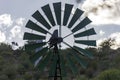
{"x": 37, "y": 55}
{"x": 84, "y": 52}
{"x": 81, "y": 62}
{"x": 82, "y": 24}
{"x": 80, "y": 51}
{"x": 37, "y": 15}
{"x": 71, "y": 47}
{"x": 62, "y": 65}
{"x": 57, "y": 9}
{"x": 67, "y": 12}
{"x": 34, "y": 46}
{"x": 46, "y": 9}
{"x": 53, "y": 66}
{"x": 75, "y": 17}
{"x": 86, "y": 42}
{"x": 85, "y": 33}
{"x": 30, "y": 36}
{"x": 71, "y": 65}
{"x": 44, "y": 61}
{"x": 35, "y": 27}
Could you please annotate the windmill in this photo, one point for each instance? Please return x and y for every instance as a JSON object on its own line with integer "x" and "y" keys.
{"x": 47, "y": 51}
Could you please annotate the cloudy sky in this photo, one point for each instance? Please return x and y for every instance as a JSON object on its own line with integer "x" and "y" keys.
{"x": 14, "y": 14}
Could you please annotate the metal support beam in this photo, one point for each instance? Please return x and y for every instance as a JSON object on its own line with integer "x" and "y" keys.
{"x": 57, "y": 75}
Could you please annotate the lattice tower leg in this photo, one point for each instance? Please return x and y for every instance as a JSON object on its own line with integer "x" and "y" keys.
{"x": 57, "y": 75}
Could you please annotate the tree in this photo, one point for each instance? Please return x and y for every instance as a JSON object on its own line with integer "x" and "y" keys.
{"x": 106, "y": 44}
{"x": 105, "y": 47}
{"x": 112, "y": 74}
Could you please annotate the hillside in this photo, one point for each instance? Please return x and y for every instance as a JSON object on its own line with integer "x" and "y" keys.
{"x": 15, "y": 65}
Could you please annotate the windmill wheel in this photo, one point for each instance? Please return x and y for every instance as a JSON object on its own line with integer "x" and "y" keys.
{"x": 43, "y": 54}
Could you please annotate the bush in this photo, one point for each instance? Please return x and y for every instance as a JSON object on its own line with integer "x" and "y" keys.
{"x": 1, "y": 62}
{"x": 10, "y": 71}
{"x": 3, "y": 77}
{"x": 28, "y": 76}
{"x": 21, "y": 69}
{"x": 19, "y": 79}
{"x": 113, "y": 74}
{"x": 82, "y": 77}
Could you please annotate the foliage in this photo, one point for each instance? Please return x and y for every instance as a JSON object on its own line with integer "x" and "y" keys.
{"x": 4, "y": 77}
{"x": 107, "y": 43}
{"x": 112, "y": 74}
{"x": 82, "y": 77}
{"x": 15, "y": 65}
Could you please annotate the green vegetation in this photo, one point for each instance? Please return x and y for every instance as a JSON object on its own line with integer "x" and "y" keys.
{"x": 15, "y": 65}
{"x": 112, "y": 74}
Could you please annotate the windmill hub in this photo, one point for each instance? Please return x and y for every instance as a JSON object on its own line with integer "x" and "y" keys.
{"x": 54, "y": 40}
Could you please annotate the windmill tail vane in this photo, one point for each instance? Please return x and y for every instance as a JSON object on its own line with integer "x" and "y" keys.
{"x": 47, "y": 52}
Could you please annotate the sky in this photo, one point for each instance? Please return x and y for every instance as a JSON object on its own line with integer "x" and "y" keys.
{"x": 104, "y": 14}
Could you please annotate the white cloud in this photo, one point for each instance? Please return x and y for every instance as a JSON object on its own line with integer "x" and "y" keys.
{"x": 15, "y": 47}
{"x": 113, "y": 36}
{"x": 16, "y": 30}
{"x": 79, "y": 1}
{"x": 20, "y": 21}
{"x": 102, "y": 11}
{"x": 100, "y": 41}
{"x": 2, "y": 37}
{"x": 101, "y": 32}
{"x": 5, "y": 20}
{"x": 11, "y": 29}
{"x": 116, "y": 37}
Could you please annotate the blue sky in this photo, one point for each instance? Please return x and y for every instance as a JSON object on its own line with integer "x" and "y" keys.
{"x": 104, "y": 14}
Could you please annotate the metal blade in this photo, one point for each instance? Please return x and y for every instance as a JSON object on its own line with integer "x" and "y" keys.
{"x": 37, "y": 15}
{"x": 80, "y": 51}
{"x": 57, "y": 9}
{"x": 72, "y": 47}
{"x": 86, "y": 42}
{"x": 42, "y": 64}
{"x": 29, "y": 47}
{"x": 46, "y": 9}
{"x": 81, "y": 62}
{"x": 35, "y": 27}
{"x": 37, "y": 55}
{"x": 53, "y": 66}
{"x": 30, "y": 36}
{"x": 67, "y": 12}
{"x": 75, "y": 17}
{"x": 82, "y": 24}
{"x": 71, "y": 65}
{"x": 86, "y": 33}
{"x": 84, "y": 52}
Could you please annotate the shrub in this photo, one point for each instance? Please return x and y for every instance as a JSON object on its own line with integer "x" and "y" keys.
{"x": 82, "y": 77}
{"x": 1, "y": 63}
{"x": 112, "y": 74}
{"x": 19, "y": 79}
{"x": 21, "y": 69}
{"x": 4, "y": 77}
{"x": 9, "y": 70}
{"x": 28, "y": 76}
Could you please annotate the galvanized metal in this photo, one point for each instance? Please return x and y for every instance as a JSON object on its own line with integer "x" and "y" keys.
{"x": 67, "y": 13}
{"x": 57, "y": 10}
{"x": 31, "y": 25}
{"x": 46, "y": 9}
{"x": 38, "y": 16}
{"x": 75, "y": 17}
